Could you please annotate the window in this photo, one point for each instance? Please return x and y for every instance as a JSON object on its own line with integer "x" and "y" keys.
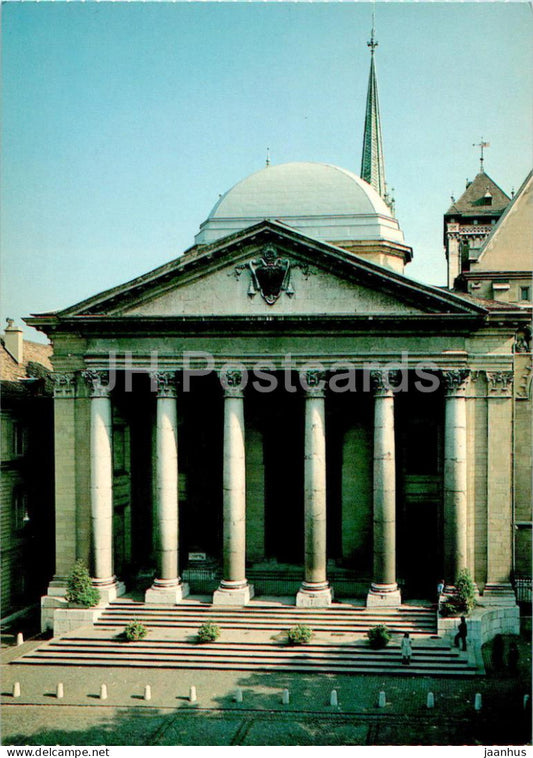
{"x": 525, "y": 293}
{"x": 20, "y": 508}
{"x": 18, "y": 438}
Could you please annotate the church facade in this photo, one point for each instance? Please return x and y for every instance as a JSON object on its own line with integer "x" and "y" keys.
{"x": 282, "y": 399}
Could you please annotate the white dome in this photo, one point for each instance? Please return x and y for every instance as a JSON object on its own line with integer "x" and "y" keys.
{"x": 323, "y": 201}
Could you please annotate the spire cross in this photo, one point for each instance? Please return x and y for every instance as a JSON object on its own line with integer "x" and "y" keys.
{"x": 481, "y": 145}
{"x": 372, "y": 43}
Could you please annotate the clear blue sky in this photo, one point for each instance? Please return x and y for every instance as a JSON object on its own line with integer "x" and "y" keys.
{"x": 122, "y": 122}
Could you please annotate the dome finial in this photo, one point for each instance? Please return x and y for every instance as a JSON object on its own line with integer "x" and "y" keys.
{"x": 267, "y": 162}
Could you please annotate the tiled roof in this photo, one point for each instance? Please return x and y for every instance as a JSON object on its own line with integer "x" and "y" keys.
{"x": 471, "y": 202}
{"x": 34, "y": 353}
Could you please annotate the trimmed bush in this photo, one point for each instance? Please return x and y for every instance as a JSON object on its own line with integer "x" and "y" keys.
{"x": 299, "y": 635}
{"x": 80, "y": 590}
{"x": 208, "y": 632}
{"x": 378, "y": 637}
{"x": 134, "y": 631}
{"x": 463, "y": 599}
{"x": 466, "y": 592}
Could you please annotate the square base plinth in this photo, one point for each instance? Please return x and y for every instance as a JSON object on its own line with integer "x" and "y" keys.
{"x": 241, "y": 596}
{"x": 384, "y": 599}
{"x": 166, "y": 595}
{"x": 318, "y": 599}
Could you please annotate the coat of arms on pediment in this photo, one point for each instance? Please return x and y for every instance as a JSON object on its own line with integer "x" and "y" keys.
{"x": 270, "y": 275}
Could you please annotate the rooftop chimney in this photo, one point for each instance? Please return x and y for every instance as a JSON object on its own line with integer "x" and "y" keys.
{"x": 13, "y": 340}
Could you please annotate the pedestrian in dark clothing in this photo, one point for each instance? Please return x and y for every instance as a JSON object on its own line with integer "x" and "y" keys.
{"x": 461, "y": 634}
{"x": 497, "y": 652}
{"x": 513, "y": 657}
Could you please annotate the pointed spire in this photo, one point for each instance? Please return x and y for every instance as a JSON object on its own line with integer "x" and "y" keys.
{"x": 372, "y": 163}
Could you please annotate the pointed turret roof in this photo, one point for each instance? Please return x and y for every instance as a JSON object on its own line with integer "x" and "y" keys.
{"x": 482, "y": 197}
{"x": 372, "y": 163}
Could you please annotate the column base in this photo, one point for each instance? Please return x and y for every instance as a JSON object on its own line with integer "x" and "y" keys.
{"x": 383, "y": 596}
{"x": 109, "y": 590}
{"x": 498, "y": 593}
{"x": 314, "y": 595}
{"x": 233, "y": 593}
{"x": 166, "y": 593}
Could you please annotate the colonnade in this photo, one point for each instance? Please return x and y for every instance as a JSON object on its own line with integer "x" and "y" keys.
{"x": 234, "y": 588}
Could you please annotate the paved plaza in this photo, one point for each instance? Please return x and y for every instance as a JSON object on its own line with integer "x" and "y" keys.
{"x": 169, "y": 718}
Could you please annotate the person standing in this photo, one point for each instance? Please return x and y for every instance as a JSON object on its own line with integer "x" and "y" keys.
{"x": 407, "y": 649}
{"x": 461, "y": 635}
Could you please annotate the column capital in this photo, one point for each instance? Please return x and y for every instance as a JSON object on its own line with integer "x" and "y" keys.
{"x": 499, "y": 383}
{"x": 96, "y": 381}
{"x": 164, "y": 383}
{"x": 64, "y": 385}
{"x": 232, "y": 382}
{"x": 455, "y": 382}
{"x": 314, "y": 382}
{"x": 385, "y": 381}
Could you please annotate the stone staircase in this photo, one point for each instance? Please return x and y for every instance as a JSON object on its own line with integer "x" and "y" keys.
{"x": 264, "y": 616}
{"x": 252, "y": 639}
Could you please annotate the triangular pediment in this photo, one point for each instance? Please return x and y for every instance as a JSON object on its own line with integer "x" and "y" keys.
{"x": 271, "y": 270}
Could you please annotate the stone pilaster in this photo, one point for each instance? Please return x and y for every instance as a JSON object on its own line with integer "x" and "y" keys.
{"x": 384, "y": 591}
{"x": 101, "y": 490}
{"x": 167, "y": 588}
{"x": 315, "y": 590}
{"x": 498, "y": 589}
{"x": 65, "y": 495}
{"x": 234, "y": 588}
{"x": 455, "y": 475}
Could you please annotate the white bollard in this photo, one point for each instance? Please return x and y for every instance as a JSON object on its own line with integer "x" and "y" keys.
{"x": 59, "y": 691}
{"x": 333, "y": 700}
{"x": 192, "y": 695}
{"x": 16, "y": 689}
{"x": 238, "y": 695}
{"x": 477, "y": 701}
{"x": 430, "y": 703}
{"x": 148, "y": 692}
{"x": 525, "y": 701}
{"x": 103, "y": 692}
{"x": 20, "y": 638}
{"x": 285, "y": 697}
{"x": 382, "y": 701}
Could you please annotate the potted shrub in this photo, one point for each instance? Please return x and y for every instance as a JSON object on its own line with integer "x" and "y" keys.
{"x": 463, "y": 599}
{"x": 466, "y": 592}
{"x": 135, "y": 631}
{"x": 378, "y": 637}
{"x": 208, "y": 632}
{"x": 299, "y": 634}
{"x": 80, "y": 590}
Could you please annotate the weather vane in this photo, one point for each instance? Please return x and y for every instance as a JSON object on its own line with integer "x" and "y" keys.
{"x": 481, "y": 145}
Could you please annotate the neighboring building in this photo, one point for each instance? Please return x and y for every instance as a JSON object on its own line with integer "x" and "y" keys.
{"x": 27, "y": 483}
{"x": 383, "y": 459}
{"x": 469, "y": 221}
{"x": 502, "y": 268}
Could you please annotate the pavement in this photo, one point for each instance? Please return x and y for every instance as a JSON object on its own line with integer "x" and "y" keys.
{"x": 38, "y": 717}
{"x": 169, "y": 718}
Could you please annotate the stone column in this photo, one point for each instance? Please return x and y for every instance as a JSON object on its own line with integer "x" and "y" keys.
{"x": 455, "y": 475}
{"x": 234, "y": 588}
{"x": 315, "y": 590}
{"x": 384, "y": 591}
{"x": 498, "y": 589}
{"x": 167, "y": 588}
{"x": 101, "y": 489}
